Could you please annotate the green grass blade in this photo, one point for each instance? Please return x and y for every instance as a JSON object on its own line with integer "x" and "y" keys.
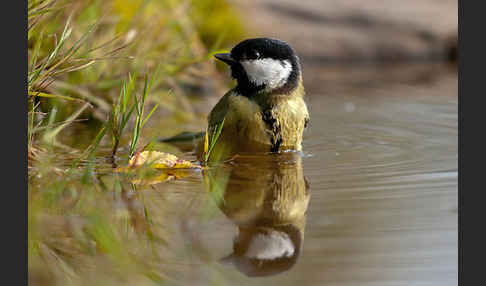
{"x": 129, "y": 90}
{"x": 48, "y": 95}
{"x": 127, "y": 117}
{"x": 213, "y": 139}
{"x": 51, "y": 135}
{"x": 35, "y": 54}
{"x": 150, "y": 114}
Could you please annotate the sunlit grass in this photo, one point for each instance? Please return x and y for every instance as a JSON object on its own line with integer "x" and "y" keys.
{"x": 123, "y": 110}
{"x": 76, "y": 221}
{"x": 83, "y": 50}
{"x": 118, "y": 63}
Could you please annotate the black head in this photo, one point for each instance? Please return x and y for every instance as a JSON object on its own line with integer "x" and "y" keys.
{"x": 263, "y": 64}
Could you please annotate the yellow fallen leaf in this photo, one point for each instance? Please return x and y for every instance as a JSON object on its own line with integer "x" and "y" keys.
{"x": 171, "y": 167}
{"x": 160, "y": 160}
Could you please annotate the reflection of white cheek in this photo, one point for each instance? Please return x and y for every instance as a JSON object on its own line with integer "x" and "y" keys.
{"x": 272, "y": 246}
{"x": 272, "y": 73}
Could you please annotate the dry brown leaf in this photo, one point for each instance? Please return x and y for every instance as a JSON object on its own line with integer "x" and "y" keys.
{"x": 160, "y": 160}
{"x": 172, "y": 168}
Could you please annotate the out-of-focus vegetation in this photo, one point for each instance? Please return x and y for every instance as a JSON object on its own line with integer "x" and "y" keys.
{"x": 98, "y": 70}
{"x": 84, "y": 49}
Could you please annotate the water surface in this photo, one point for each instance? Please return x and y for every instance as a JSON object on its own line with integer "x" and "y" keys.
{"x": 373, "y": 200}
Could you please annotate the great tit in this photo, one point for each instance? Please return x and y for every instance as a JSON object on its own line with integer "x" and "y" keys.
{"x": 266, "y": 111}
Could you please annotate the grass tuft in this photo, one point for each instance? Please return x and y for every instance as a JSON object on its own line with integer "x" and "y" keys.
{"x": 88, "y": 102}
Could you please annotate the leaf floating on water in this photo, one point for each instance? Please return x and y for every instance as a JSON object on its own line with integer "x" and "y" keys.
{"x": 165, "y": 175}
{"x": 171, "y": 167}
{"x": 160, "y": 160}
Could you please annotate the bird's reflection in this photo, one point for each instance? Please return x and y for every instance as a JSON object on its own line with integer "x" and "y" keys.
{"x": 267, "y": 198}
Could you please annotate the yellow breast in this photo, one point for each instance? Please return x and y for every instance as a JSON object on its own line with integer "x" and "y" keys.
{"x": 245, "y": 130}
{"x": 245, "y": 123}
{"x": 245, "y": 127}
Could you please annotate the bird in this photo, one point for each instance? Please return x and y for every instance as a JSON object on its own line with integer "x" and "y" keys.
{"x": 268, "y": 204}
{"x": 265, "y": 111}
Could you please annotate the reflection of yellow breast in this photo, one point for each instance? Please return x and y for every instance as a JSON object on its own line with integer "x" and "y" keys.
{"x": 265, "y": 192}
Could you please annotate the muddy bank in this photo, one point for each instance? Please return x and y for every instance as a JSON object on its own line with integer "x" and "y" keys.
{"x": 350, "y": 32}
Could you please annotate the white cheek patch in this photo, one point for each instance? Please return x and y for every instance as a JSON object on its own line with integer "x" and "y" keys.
{"x": 273, "y": 73}
{"x": 271, "y": 246}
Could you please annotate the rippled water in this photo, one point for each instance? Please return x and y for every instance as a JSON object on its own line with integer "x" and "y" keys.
{"x": 373, "y": 201}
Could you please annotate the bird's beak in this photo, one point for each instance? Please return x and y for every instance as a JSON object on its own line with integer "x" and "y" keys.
{"x": 225, "y": 57}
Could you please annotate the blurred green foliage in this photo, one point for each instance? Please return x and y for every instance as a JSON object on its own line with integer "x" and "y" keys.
{"x": 110, "y": 39}
{"x": 89, "y": 61}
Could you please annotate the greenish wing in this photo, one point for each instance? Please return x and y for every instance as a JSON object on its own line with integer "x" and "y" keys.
{"x": 219, "y": 112}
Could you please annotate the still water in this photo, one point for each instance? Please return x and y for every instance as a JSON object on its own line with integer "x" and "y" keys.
{"x": 372, "y": 201}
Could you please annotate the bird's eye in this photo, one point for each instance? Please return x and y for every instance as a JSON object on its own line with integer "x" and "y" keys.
{"x": 253, "y": 55}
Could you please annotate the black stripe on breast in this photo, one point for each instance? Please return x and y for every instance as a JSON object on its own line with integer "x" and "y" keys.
{"x": 306, "y": 122}
{"x": 273, "y": 130}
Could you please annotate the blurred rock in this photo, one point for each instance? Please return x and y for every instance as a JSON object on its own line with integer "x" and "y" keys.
{"x": 453, "y": 50}
{"x": 355, "y": 31}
